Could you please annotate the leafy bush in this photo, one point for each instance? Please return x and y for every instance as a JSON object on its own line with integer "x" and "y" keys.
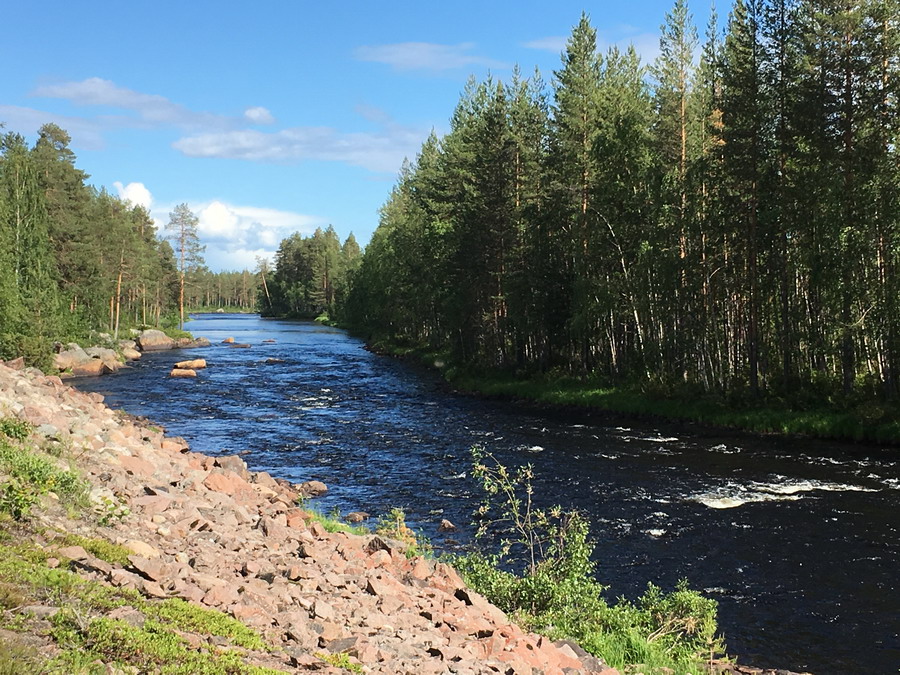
{"x": 15, "y": 429}
{"x": 393, "y": 525}
{"x": 29, "y": 473}
{"x": 38, "y": 351}
{"x": 543, "y": 575}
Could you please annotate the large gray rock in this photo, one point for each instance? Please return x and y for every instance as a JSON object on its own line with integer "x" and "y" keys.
{"x": 108, "y": 356}
{"x": 154, "y": 340}
{"x": 71, "y": 357}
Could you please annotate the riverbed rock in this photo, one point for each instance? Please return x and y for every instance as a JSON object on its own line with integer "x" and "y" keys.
{"x": 312, "y": 488}
{"x": 89, "y": 368}
{"x": 446, "y": 526}
{"x": 195, "y": 364}
{"x": 131, "y": 354}
{"x": 183, "y": 372}
{"x": 228, "y": 341}
{"x": 239, "y": 345}
{"x": 108, "y": 356}
{"x": 152, "y": 340}
{"x": 70, "y": 357}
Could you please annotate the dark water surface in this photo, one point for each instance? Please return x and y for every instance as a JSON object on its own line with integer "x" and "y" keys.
{"x": 797, "y": 540}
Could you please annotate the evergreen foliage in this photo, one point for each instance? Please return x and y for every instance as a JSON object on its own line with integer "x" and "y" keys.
{"x": 724, "y": 224}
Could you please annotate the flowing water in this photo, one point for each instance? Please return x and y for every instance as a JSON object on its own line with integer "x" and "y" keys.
{"x": 798, "y": 540}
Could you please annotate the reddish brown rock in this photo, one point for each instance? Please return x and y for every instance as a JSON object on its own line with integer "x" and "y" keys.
{"x": 193, "y": 364}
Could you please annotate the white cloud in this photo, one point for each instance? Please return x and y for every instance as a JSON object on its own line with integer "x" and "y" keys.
{"x": 645, "y": 44}
{"x": 235, "y": 235}
{"x": 382, "y": 151}
{"x": 259, "y": 115}
{"x": 151, "y": 109}
{"x": 426, "y": 56}
{"x": 136, "y": 193}
{"x": 552, "y": 43}
{"x": 85, "y": 133}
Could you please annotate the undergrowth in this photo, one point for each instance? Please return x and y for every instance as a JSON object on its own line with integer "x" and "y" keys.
{"x": 27, "y": 473}
{"x": 544, "y": 577}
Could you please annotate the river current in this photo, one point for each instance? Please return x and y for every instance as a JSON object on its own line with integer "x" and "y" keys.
{"x": 798, "y": 540}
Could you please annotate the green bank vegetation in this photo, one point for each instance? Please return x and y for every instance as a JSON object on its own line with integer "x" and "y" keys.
{"x": 719, "y": 226}
{"x": 544, "y": 577}
{"x": 75, "y": 259}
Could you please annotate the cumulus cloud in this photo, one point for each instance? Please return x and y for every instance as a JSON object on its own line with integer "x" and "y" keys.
{"x": 426, "y": 56}
{"x": 236, "y": 235}
{"x": 136, "y": 193}
{"x": 383, "y": 150}
{"x": 259, "y": 115}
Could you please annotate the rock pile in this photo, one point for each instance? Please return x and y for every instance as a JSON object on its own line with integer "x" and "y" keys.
{"x": 73, "y": 361}
{"x": 208, "y": 530}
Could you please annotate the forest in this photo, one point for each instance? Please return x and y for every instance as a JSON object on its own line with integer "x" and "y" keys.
{"x": 76, "y": 260}
{"x": 723, "y": 220}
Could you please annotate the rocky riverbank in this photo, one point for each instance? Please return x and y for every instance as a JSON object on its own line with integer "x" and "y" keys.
{"x": 72, "y": 360}
{"x": 162, "y": 525}
{"x": 212, "y": 533}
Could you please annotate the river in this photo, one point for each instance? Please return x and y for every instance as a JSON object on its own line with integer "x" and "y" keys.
{"x": 797, "y": 539}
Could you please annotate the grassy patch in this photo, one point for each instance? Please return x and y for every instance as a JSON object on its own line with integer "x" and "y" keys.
{"x": 85, "y": 634}
{"x": 332, "y": 522}
{"x": 340, "y": 660}
{"x": 153, "y": 647}
{"x": 27, "y": 473}
{"x": 184, "y": 616}
{"x": 101, "y": 548}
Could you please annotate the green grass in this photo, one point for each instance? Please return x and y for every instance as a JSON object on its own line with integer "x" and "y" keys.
{"x": 85, "y": 634}
{"x": 332, "y": 522}
{"x": 807, "y": 413}
{"x": 27, "y": 472}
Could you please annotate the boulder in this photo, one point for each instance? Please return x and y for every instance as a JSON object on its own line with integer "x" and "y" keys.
{"x": 16, "y": 364}
{"x": 228, "y": 341}
{"x": 154, "y": 340}
{"x": 108, "y": 356}
{"x": 356, "y": 517}
{"x": 89, "y": 368}
{"x": 446, "y": 526}
{"x": 69, "y": 358}
{"x": 183, "y": 372}
{"x": 196, "y": 364}
{"x": 312, "y": 488}
{"x": 131, "y": 354}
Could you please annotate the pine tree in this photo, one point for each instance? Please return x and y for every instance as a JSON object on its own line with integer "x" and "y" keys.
{"x": 183, "y": 226}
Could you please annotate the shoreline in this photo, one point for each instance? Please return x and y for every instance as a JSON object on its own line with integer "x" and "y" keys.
{"x": 569, "y": 395}
{"x": 192, "y": 518}
{"x": 206, "y": 531}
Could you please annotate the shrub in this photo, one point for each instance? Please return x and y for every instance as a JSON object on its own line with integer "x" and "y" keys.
{"x": 544, "y": 576}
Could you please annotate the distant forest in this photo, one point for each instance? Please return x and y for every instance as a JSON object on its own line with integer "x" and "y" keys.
{"x": 726, "y": 219}
{"x": 74, "y": 259}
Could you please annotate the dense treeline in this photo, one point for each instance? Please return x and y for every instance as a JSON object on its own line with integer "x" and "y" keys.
{"x": 74, "y": 258}
{"x": 233, "y": 291}
{"x": 311, "y": 275}
{"x": 726, "y": 219}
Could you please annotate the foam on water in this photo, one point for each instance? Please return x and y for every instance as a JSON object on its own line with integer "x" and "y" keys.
{"x": 732, "y": 495}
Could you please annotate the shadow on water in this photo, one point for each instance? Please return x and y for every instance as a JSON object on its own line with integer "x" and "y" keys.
{"x": 797, "y": 540}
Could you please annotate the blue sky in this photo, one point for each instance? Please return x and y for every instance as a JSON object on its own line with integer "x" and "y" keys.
{"x": 276, "y": 117}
